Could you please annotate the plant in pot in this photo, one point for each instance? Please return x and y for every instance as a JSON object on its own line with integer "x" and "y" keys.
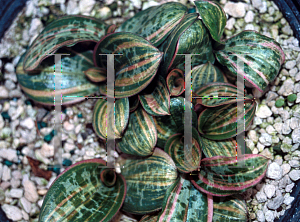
{"x": 160, "y": 178}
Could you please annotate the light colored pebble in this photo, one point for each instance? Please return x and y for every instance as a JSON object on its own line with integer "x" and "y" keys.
{"x": 289, "y": 187}
{"x": 6, "y": 173}
{"x": 249, "y": 17}
{"x": 261, "y": 197}
{"x": 274, "y": 171}
{"x": 9, "y": 154}
{"x": 260, "y": 216}
{"x": 296, "y": 135}
{"x": 12, "y": 212}
{"x": 27, "y": 123}
{"x": 230, "y": 22}
{"x": 16, "y": 193}
{"x": 263, "y": 111}
{"x": 25, "y": 215}
{"x": 68, "y": 126}
{"x": 294, "y": 175}
{"x": 30, "y": 191}
{"x": 269, "y": 190}
{"x": 269, "y": 215}
{"x": 285, "y": 168}
{"x": 3, "y": 92}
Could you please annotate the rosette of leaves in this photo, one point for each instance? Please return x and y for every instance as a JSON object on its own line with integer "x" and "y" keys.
{"x": 160, "y": 178}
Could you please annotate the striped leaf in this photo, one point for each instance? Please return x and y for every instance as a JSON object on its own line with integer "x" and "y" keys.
{"x": 183, "y": 202}
{"x": 140, "y": 136}
{"x": 204, "y": 74}
{"x": 225, "y": 121}
{"x": 253, "y": 56}
{"x": 230, "y": 209}
{"x": 137, "y": 65}
{"x": 175, "y": 82}
{"x": 169, "y": 125}
{"x": 65, "y": 31}
{"x": 96, "y": 74}
{"x": 78, "y": 194}
{"x": 229, "y": 147}
{"x": 223, "y": 176}
{"x": 189, "y": 37}
{"x": 158, "y": 102}
{"x": 185, "y": 159}
{"x": 155, "y": 23}
{"x": 149, "y": 218}
{"x": 218, "y": 94}
{"x": 74, "y": 84}
{"x": 101, "y": 118}
{"x": 147, "y": 181}
{"x": 211, "y": 12}
{"x": 133, "y": 103}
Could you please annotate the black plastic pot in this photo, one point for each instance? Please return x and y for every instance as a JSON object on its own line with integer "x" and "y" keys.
{"x": 290, "y": 10}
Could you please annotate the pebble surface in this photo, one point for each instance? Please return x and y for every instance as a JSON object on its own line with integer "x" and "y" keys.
{"x": 275, "y": 132}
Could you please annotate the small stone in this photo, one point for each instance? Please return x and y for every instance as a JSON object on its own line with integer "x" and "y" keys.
{"x": 249, "y": 17}
{"x": 25, "y": 215}
{"x": 25, "y": 204}
{"x": 288, "y": 199}
{"x": 6, "y": 173}
{"x": 287, "y": 87}
{"x": 269, "y": 216}
{"x": 278, "y": 159}
{"x": 42, "y": 192}
{"x": 9, "y": 154}
{"x": 15, "y": 183}
{"x": 16, "y": 193}
{"x": 9, "y": 68}
{"x": 85, "y": 6}
{"x": 290, "y": 64}
{"x": 148, "y": 4}
{"x": 267, "y": 153}
{"x": 285, "y": 168}
{"x": 294, "y": 163}
{"x": 36, "y": 26}
{"x": 275, "y": 203}
{"x": 30, "y": 191}
{"x": 263, "y": 111}
{"x": 10, "y": 85}
{"x": 286, "y": 147}
{"x": 253, "y": 136}
{"x": 3, "y": 92}
{"x": 236, "y": 10}
{"x": 269, "y": 190}
{"x": 260, "y": 216}
{"x": 295, "y": 123}
{"x": 68, "y": 126}
{"x": 286, "y": 129}
{"x": 47, "y": 150}
{"x": 274, "y": 171}
{"x": 296, "y": 135}
{"x": 12, "y": 212}
{"x": 289, "y": 187}
{"x": 287, "y": 29}
{"x": 230, "y": 22}
{"x": 270, "y": 130}
{"x": 278, "y": 127}
{"x": 257, "y": 3}
{"x": 294, "y": 175}
{"x": 261, "y": 197}
{"x": 27, "y": 123}
{"x": 265, "y": 139}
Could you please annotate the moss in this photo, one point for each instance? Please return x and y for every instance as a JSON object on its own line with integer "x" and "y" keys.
{"x": 291, "y": 98}
{"x": 279, "y": 103}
